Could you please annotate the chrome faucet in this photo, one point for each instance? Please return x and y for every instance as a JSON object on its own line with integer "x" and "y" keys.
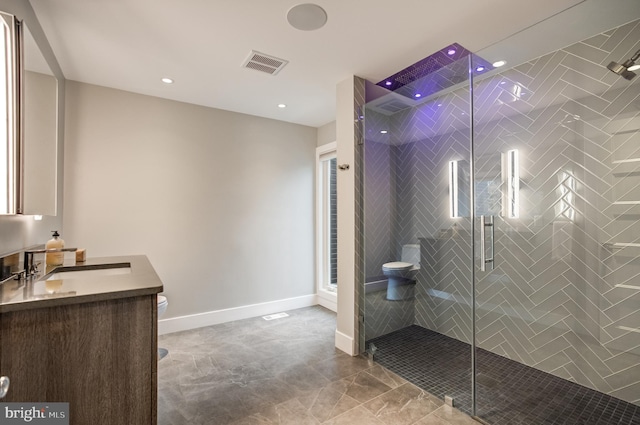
{"x": 30, "y": 267}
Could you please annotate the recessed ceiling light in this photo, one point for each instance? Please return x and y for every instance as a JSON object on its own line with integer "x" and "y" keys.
{"x": 383, "y": 131}
{"x": 388, "y": 83}
{"x": 417, "y": 95}
{"x": 281, "y": 105}
{"x": 307, "y": 17}
{"x": 451, "y": 52}
{"x": 167, "y": 80}
{"x": 480, "y": 68}
{"x": 633, "y": 67}
{"x": 498, "y": 64}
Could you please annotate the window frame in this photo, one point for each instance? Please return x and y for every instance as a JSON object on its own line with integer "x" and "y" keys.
{"x": 327, "y": 292}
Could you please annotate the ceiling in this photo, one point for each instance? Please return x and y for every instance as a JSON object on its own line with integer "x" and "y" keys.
{"x": 131, "y": 44}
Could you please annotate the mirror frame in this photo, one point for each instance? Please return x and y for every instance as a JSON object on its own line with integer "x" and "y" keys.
{"x": 31, "y": 156}
{"x": 13, "y": 134}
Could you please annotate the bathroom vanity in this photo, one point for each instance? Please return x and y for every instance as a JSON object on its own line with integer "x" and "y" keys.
{"x": 87, "y": 336}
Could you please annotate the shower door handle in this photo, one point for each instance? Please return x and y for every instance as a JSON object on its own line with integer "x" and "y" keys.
{"x": 483, "y": 236}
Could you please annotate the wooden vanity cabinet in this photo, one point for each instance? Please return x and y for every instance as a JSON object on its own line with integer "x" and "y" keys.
{"x": 100, "y": 357}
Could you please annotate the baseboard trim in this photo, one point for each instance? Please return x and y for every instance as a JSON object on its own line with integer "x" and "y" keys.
{"x": 345, "y": 343}
{"x": 193, "y": 321}
{"x": 328, "y": 300}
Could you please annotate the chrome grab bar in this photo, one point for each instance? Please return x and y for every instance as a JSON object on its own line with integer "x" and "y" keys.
{"x": 483, "y": 254}
{"x": 492, "y": 246}
{"x": 44, "y": 251}
{"x": 482, "y": 247}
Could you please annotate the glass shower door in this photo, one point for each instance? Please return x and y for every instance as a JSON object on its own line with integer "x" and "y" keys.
{"x": 557, "y": 205}
{"x": 417, "y": 321}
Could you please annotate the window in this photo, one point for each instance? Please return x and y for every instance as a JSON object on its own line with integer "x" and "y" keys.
{"x": 327, "y": 230}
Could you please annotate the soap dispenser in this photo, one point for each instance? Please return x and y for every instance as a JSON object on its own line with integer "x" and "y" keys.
{"x": 54, "y": 258}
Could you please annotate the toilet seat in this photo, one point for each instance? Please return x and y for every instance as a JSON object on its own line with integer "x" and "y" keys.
{"x": 397, "y": 265}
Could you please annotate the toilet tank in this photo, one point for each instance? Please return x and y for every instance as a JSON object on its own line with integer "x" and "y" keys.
{"x": 411, "y": 254}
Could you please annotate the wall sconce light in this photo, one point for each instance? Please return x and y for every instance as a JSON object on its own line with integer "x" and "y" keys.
{"x": 453, "y": 189}
{"x": 513, "y": 184}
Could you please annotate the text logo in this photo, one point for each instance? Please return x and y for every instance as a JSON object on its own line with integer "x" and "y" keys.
{"x": 34, "y": 413}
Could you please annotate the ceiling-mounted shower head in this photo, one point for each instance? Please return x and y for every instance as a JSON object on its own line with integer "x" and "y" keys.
{"x": 625, "y": 70}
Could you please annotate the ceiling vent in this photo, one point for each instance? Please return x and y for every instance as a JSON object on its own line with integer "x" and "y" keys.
{"x": 264, "y": 63}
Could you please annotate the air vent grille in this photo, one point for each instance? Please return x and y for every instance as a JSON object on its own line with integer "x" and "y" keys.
{"x": 264, "y": 63}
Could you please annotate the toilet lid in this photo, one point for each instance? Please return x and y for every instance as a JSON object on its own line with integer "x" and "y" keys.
{"x": 397, "y": 265}
{"x": 162, "y": 299}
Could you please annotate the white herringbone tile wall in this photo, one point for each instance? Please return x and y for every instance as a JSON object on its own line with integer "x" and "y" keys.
{"x": 564, "y": 296}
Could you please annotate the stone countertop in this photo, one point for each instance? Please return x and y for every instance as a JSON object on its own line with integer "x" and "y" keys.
{"x": 128, "y": 276}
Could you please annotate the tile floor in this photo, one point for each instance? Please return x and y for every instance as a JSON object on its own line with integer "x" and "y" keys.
{"x": 508, "y": 392}
{"x": 284, "y": 371}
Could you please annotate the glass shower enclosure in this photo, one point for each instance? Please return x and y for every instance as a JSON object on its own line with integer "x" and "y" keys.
{"x": 520, "y": 186}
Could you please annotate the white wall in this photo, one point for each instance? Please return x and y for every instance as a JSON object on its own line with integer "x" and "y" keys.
{"x": 327, "y": 133}
{"x": 345, "y": 326}
{"x": 222, "y": 203}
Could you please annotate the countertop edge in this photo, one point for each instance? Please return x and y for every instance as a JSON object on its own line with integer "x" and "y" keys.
{"x": 81, "y": 299}
{"x": 143, "y": 281}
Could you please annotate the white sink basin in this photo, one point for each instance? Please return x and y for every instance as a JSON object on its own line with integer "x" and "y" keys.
{"x": 78, "y": 274}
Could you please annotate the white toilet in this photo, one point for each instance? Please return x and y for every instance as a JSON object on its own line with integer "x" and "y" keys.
{"x": 162, "y": 307}
{"x": 401, "y": 273}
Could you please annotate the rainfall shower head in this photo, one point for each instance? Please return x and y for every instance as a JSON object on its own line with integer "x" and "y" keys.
{"x": 625, "y": 70}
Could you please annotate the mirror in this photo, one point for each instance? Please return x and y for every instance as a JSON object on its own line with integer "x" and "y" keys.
{"x": 40, "y": 128}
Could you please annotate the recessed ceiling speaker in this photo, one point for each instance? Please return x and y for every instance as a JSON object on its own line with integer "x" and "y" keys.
{"x": 307, "y": 17}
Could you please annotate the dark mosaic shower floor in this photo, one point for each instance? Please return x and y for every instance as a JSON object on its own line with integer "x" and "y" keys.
{"x": 509, "y": 393}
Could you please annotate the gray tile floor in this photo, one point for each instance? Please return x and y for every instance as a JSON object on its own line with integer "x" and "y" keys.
{"x": 284, "y": 371}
